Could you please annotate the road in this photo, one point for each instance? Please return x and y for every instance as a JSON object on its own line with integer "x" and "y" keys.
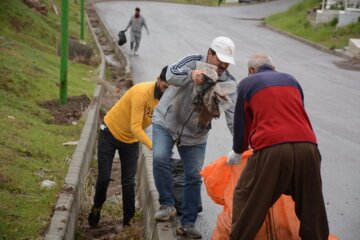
{"x": 332, "y": 95}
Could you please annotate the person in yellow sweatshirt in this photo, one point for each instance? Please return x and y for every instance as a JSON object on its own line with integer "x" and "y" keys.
{"x": 122, "y": 130}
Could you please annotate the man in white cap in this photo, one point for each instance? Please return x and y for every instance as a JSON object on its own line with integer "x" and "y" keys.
{"x": 176, "y": 122}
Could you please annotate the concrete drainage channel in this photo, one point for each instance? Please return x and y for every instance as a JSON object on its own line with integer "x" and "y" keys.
{"x": 64, "y": 220}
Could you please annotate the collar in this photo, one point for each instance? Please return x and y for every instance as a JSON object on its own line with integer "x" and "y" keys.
{"x": 265, "y": 68}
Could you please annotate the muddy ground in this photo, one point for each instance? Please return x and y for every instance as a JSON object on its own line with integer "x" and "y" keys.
{"x": 68, "y": 113}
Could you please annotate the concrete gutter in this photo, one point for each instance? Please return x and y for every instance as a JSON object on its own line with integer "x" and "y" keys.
{"x": 63, "y": 222}
{"x": 145, "y": 181}
{"x": 120, "y": 51}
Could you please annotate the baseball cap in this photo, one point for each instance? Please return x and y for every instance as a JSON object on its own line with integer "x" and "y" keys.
{"x": 224, "y": 48}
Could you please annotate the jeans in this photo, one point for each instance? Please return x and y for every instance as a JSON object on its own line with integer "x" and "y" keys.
{"x": 193, "y": 160}
{"x": 129, "y": 154}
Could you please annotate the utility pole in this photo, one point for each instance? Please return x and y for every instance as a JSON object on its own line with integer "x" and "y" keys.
{"x": 64, "y": 51}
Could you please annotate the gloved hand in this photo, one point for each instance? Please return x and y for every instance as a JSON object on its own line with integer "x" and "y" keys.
{"x": 234, "y": 158}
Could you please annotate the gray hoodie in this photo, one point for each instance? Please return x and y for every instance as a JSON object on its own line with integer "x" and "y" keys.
{"x": 137, "y": 24}
{"x": 175, "y": 109}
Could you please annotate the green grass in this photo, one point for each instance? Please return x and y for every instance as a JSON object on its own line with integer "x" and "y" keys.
{"x": 295, "y": 22}
{"x": 197, "y": 2}
{"x": 30, "y": 149}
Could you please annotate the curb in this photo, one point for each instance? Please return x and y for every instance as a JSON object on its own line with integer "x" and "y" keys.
{"x": 308, "y": 42}
{"x": 148, "y": 199}
{"x": 63, "y": 222}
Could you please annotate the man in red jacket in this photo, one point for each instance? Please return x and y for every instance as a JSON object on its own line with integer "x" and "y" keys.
{"x": 270, "y": 118}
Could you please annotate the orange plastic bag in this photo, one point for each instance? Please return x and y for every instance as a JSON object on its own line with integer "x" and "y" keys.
{"x": 220, "y": 180}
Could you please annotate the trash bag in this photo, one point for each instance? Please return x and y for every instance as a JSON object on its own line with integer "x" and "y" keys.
{"x": 178, "y": 179}
{"x": 122, "y": 38}
{"x": 217, "y": 175}
{"x": 281, "y": 221}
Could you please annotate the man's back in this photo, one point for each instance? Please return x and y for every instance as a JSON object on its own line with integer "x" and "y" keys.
{"x": 273, "y": 110}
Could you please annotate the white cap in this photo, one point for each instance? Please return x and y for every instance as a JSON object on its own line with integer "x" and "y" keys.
{"x": 224, "y": 48}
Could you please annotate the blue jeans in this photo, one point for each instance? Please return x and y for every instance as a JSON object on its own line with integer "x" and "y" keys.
{"x": 193, "y": 160}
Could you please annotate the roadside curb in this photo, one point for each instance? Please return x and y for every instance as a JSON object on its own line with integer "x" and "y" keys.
{"x": 308, "y": 42}
{"x": 148, "y": 200}
{"x": 63, "y": 222}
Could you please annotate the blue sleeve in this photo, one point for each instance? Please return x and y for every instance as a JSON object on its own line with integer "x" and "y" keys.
{"x": 239, "y": 120}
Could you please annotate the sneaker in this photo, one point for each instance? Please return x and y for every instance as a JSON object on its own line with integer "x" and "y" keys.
{"x": 189, "y": 231}
{"x": 164, "y": 213}
{"x": 94, "y": 217}
{"x": 136, "y": 53}
{"x": 129, "y": 223}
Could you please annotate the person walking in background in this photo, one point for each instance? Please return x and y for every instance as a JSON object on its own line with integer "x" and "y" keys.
{"x": 175, "y": 122}
{"x": 137, "y": 22}
{"x": 122, "y": 130}
{"x": 271, "y": 119}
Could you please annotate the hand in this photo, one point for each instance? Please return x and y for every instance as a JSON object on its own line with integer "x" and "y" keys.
{"x": 234, "y": 158}
{"x": 198, "y": 76}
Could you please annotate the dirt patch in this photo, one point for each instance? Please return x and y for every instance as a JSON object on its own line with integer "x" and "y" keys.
{"x": 350, "y": 64}
{"x": 69, "y": 112}
{"x": 16, "y": 24}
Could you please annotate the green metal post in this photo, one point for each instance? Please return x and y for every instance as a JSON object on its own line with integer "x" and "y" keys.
{"x": 82, "y": 14}
{"x": 64, "y": 51}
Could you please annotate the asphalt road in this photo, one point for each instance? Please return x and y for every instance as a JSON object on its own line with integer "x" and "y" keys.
{"x": 332, "y": 95}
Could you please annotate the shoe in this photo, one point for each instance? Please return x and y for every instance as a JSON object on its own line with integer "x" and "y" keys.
{"x": 189, "y": 231}
{"x": 136, "y": 53}
{"x": 94, "y": 217}
{"x": 129, "y": 223}
{"x": 132, "y": 52}
{"x": 164, "y": 213}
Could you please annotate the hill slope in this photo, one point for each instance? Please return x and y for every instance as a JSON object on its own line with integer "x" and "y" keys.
{"x": 30, "y": 146}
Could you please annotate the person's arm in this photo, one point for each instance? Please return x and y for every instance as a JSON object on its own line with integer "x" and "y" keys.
{"x": 129, "y": 24}
{"x": 180, "y": 73}
{"x": 144, "y": 24}
{"x": 138, "y": 104}
{"x": 229, "y": 113}
{"x": 240, "y": 133}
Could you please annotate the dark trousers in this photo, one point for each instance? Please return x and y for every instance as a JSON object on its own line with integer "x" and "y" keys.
{"x": 291, "y": 168}
{"x": 129, "y": 153}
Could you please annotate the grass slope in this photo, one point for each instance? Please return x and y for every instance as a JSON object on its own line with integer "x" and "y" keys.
{"x": 30, "y": 149}
{"x": 295, "y": 21}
